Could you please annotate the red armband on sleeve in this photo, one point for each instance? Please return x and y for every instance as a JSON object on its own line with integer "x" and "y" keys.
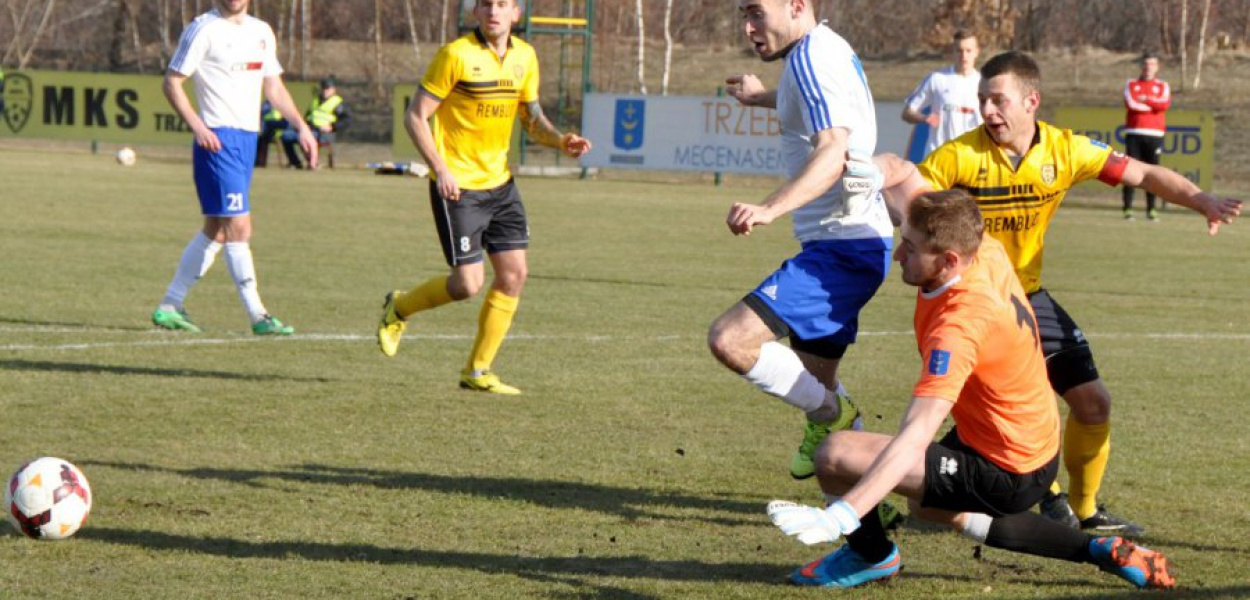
{"x": 1113, "y": 170}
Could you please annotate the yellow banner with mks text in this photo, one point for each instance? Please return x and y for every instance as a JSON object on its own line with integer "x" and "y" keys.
{"x": 98, "y": 106}
{"x": 1188, "y": 145}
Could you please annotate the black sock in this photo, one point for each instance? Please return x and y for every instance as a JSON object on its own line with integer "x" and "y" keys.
{"x": 870, "y": 541}
{"x": 1031, "y": 533}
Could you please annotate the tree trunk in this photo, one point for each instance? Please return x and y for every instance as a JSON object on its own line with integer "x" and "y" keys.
{"x": 668, "y": 45}
{"x": 1184, "y": 54}
{"x": 290, "y": 34}
{"x": 442, "y": 25}
{"x": 642, "y": 49}
{"x": 1202, "y": 44}
{"x": 412, "y": 29}
{"x": 377, "y": 47}
{"x": 131, "y": 14}
{"x": 305, "y": 39}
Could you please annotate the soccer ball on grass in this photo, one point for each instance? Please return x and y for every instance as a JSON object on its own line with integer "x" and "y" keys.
{"x": 48, "y": 498}
{"x": 126, "y": 157}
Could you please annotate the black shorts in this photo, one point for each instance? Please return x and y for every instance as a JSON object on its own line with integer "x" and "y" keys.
{"x": 1069, "y": 361}
{"x": 493, "y": 219}
{"x": 959, "y": 479}
{"x": 1145, "y": 148}
{"x": 827, "y": 347}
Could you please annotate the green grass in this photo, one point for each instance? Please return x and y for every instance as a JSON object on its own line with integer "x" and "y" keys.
{"x": 633, "y": 467}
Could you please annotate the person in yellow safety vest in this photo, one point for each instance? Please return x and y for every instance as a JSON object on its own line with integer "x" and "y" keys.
{"x": 327, "y": 115}
{"x": 272, "y": 123}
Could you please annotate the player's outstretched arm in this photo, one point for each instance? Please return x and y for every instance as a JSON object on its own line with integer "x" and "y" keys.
{"x": 903, "y": 182}
{"x": 1175, "y": 188}
{"x": 748, "y": 91}
{"x": 542, "y": 131}
{"x": 823, "y": 168}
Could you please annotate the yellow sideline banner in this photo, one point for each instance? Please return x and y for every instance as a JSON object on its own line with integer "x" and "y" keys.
{"x": 1188, "y": 145}
{"x": 103, "y": 107}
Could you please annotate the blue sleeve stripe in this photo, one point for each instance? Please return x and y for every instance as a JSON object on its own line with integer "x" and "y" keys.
{"x": 809, "y": 89}
{"x": 184, "y": 44}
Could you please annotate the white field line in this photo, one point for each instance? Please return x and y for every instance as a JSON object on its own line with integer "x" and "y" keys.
{"x": 168, "y": 339}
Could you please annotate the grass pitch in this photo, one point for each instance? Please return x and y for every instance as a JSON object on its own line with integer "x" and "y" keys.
{"x": 633, "y": 467}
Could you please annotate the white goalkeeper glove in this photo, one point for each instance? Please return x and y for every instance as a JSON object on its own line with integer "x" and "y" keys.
{"x": 861, "y": 184}
{"x": 812, "y": 525}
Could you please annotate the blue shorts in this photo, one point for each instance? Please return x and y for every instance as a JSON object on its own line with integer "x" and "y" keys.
{"x": 818, "y": 294}
{"x": 222, "y": 179}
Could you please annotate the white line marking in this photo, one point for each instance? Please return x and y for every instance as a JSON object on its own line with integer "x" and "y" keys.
{"x": 189, "y": 340}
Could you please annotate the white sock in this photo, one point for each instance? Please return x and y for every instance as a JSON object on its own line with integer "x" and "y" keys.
{"x": 239, "y": 259}
{"x": 977, "y": 527}
{"x": 195, "y": 262}
{"x": 779, "y": 372}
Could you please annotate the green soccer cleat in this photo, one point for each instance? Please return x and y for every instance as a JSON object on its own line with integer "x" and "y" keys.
{"x": 391, "y": 327}
{"x": 270, "y": 325}
{"x": 174, "y": 320}
{"x": 1153, "y": 214}
{"x": 801, "y": 466}
{"x": 486, "y": 381}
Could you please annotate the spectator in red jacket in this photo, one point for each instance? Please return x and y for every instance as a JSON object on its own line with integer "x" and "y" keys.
{"x": 1147, "y": 99}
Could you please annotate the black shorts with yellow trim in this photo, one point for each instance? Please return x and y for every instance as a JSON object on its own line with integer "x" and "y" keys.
{"x": 1069, "y": 361}
{"x": 492, "y": 220}
{"x": 957, "y": 478}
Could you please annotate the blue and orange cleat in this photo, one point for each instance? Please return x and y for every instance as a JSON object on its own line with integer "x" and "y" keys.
{"x": 844, "y": 568}
{"x": 1135, "y": 564}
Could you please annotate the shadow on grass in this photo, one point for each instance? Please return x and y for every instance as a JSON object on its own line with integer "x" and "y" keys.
{"x": 628, "y": 503}
{"x": 548, "y": 569}
{"x": 93, "y": 369}
{"x": 73, "y": 325}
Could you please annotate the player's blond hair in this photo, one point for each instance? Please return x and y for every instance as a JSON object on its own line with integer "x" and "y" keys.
{"x": 949, "y": 220}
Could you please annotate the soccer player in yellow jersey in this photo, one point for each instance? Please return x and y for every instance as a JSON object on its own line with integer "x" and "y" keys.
{"x": 1019, "y": 169}
{"x": 472, "y": 92}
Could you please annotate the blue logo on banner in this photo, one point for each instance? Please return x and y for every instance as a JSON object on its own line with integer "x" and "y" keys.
{"x": 630, "y": 115}
{"x": 939, "y": 362}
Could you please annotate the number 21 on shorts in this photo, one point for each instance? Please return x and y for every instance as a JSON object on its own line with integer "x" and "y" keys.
{"x": 234, "y": 202}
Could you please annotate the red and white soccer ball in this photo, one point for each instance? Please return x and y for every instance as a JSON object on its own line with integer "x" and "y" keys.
{"x": 48, "y": 498}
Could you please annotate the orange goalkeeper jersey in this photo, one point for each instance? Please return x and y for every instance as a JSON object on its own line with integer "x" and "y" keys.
{"x": 978, "y": 339}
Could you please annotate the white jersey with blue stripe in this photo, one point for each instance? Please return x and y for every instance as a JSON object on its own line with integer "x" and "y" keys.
{"x": 823, "y": 86}
{"x": 227, "y": 62}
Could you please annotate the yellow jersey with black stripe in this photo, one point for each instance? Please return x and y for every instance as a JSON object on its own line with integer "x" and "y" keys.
{"x": 480, "y": 94}
{"x": 1018, "y": 202}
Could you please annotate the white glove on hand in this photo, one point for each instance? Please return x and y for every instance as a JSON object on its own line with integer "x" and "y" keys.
{"x": 861, "y": 182}
{"x": 812, "y": 525}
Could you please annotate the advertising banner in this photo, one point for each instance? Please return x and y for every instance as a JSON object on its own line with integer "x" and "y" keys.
{"x": 104, "y": 107}
{"x": 1188, "y": 146}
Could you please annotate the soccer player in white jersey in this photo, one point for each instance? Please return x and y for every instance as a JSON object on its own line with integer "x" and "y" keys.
{"x": 826, "y": 115}
{"x": 231, "y": 57}
{"x": 949, "y": 94}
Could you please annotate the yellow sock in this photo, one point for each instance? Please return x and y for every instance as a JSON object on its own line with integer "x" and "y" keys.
{"x": 492, "y": 327}
{"x": 1086, "y": 449}
{"x": 430, "y": 294}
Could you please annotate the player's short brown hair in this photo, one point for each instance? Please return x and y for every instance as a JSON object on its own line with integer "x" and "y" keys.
{"x": 1016, "y": 63}
{"x": 949, "y": 220}
{"x": 963, "y": 34}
